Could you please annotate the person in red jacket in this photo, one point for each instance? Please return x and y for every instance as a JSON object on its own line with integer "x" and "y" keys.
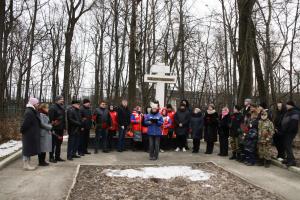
{"x": 165, "y": 129}
{"x": 112, "y": 130}
{"x": 136, "y": 124}
{"x": 171, "y": 134}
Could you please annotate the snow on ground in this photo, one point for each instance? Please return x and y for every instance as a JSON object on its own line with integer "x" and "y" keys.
{"x": 9, "y": 147}
{"x": 166, "y": 172}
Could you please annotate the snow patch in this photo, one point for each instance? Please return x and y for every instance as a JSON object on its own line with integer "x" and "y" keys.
{"x": 166, "y": 172}
{"x": 9, "y": 147}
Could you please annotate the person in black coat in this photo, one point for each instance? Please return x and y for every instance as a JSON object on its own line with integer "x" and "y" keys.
{"x": 182, "y": 123}
{"x": 224, "y": 131}
{"x": 57, "y": 119}
{"x": 124, "y": 121}
{"x": 30, "y": 129}
{"x": 74, "y": 129}
{"x": 211, "y": 124}
{"x": 86, "y": 116}
{"x": 278, "y": 137}
{"x": 289, "y": 127}
{"x": 188, "y": 108}
{"x": 196, "y": 128}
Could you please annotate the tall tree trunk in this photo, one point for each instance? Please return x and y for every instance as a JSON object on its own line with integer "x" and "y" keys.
{"x": 31, "y": 48}
{"x": 245, "y": 49}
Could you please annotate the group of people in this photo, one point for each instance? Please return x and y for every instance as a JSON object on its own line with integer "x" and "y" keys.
{"x": 251, "y": 130}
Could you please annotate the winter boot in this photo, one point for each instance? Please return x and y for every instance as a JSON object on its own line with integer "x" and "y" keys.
{"x": 26, "y": 166}
{"x": 267, "y": 163}
{"x": 233, "y": 157}
{"x": 260, "y": 162}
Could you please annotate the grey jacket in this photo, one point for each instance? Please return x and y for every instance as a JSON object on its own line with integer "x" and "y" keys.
{"x": 46, "y": 137}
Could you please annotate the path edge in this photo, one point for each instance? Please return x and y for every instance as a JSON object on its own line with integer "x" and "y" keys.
{"x": 6, "y": 161}
{"x": 73, "y": 182}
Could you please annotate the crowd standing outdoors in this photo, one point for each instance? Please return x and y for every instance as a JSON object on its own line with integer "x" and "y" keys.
{"x": 250, "y": 130}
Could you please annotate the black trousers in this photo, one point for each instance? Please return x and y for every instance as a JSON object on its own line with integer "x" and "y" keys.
{"x": 181, "y": 141}
{"x": 223, "y": 138}
{"x": 42, "y": 157}
{"x": 278, "y": 140}
{"x": 209, "y": 147}
{"x": 289, "y": 138}
{"x": 145, "y": 140}
{"x": 196, "y": 144}
{"x": 84, "y": 139}
{"x": 154, "y": 142}
{"x": 170, "y": 138}
{"x": 56, "y": 144}
{"x": 110, "y": 137}
{"x": 73, "y": 144}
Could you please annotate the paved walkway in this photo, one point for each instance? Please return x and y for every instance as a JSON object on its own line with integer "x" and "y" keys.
{"x": 54, "y": 182}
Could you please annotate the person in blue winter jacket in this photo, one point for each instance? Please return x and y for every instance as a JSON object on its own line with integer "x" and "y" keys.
{"x": 154, "y": 121}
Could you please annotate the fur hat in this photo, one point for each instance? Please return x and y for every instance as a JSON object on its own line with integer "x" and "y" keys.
{"x": 291, "y": 103}
{"x": 59, "y": 97}
{"x": 75, "y": 101}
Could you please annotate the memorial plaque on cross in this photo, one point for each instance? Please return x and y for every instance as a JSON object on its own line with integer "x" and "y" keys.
{"x": 160, "y": 75}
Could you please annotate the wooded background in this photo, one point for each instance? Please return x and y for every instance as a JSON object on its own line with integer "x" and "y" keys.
{"x": 101, "y": 49}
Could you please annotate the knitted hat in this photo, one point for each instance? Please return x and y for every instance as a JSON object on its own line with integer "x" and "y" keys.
{"x": 75, "y": 101}
{"x": 291, "y": 103}
{"x": 33, "y": 101}
{"x": 59, "y": 97}
{"x": 86, "y": 101}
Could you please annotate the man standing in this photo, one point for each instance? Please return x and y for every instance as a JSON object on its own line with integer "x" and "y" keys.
{"x": 124, "y": 121}
{"x": 74, "y": 129}
{"x": 289, "y": 128}
{"x": 103, "y": 122}
{"x": 86, "y": 116}
{"x": 278, "y": 137}
{"x": 57, "y": 119}
{"x": 247, "y": 105}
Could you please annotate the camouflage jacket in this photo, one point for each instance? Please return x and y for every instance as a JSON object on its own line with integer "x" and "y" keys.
{"x": 265, "y": 131}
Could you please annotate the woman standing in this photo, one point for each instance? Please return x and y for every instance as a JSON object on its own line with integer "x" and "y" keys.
{"x": 224, "y": 131}
{"x": 46, "y": 137}
{"x": 154, "y": 121}
{"x": 31, "y": 130}
{"x": 211, "y": 128}
{"x": 182, "y": 122}
{"x": 196, "y": 126}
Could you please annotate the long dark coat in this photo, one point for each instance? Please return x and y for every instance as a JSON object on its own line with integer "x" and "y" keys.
{"x": 211, "y": 127}
{"x": 184, "y": 118}
{"x": 31, "y": 129}
{"x": 196, "y": 125}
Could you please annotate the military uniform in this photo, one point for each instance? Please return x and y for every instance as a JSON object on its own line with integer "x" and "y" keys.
{"x": 265, "y": 134}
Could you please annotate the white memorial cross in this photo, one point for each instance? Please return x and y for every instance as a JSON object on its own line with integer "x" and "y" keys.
{"x": 160, "y": 74}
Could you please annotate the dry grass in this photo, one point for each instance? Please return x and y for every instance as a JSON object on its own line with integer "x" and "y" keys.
{"x": 10, "y": 129}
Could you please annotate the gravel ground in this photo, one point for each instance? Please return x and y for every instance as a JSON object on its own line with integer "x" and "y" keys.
{"x": 92, "y": 184}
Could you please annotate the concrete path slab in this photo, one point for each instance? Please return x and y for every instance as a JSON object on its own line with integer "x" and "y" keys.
{"x": 53, "y": 182}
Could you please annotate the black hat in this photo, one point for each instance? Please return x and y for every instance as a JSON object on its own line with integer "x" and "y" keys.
{"x": 291, "y": 103}
{"x": 86, "y": 101}
{"x": 75, "y": 101}
{"x": 59, "y": 97}
{"x": 263, "y": 105}
{"x": 239, "y": 108}
{"x": 169, "y": 106}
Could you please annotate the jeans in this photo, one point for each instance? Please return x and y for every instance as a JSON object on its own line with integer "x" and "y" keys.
{"x": 154, "y": 142}
{"x": 288, "y": 143}
{"x": 73, "y": 143}
{"x": 101, "y": 133}
{"x": 121, "y": 139}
